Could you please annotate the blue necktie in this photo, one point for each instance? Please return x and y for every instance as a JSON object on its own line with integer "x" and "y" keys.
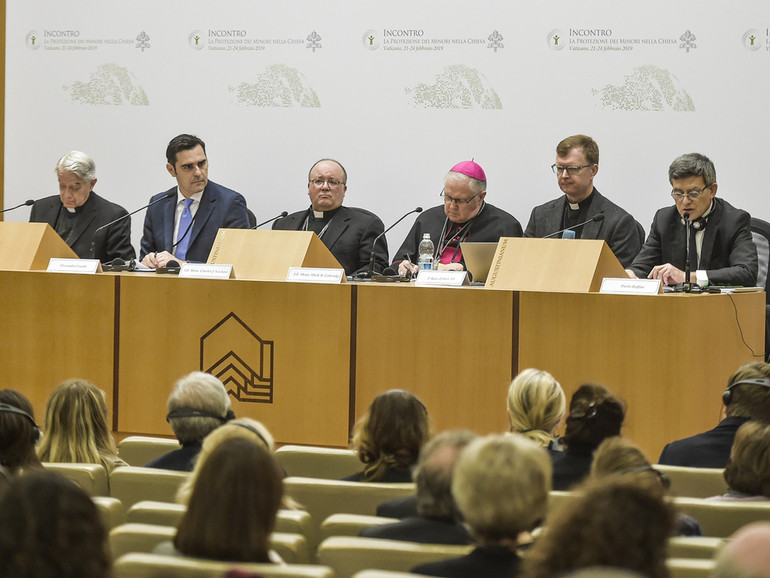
{"x": 184, "y": 225}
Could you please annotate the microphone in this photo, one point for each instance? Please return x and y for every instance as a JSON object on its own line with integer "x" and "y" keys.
{"x": 147, "y": 206}
{"x": 27, "y": 203}
{"x": 281, "y": 216}
{"x": 687, "y": 286}
{"x": 595, "y": 219}
{"x": 368, "y": 274}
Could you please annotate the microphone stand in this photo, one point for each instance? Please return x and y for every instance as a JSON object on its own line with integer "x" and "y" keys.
{"x": 370, "y": 272}
{"x": 687, "y": 285}
{"x": 281, "y": 216}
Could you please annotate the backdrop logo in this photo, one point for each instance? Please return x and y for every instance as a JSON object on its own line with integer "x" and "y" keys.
{"x": 371, "y": 39}
{"x": 647, "y": 88}
{"x": 688, "y": 41}
{"x": 313, "y": 41}
{"x": 32, "y": 40}
{"x": 195, "y": 40}
{"x": 751, "y": 40}
{"x": 556, "y": 40}
{"x": 109, "y": 84}
{"x": 234, "y": 353}
{"x": 142, "y": 40}
{"x": 458, "y": 86}
{"x": 279, "y": 86}
{"x": 495, "y": 41}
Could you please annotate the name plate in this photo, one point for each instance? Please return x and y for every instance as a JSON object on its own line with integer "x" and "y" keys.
{"x": 315, "y": 275}
{"x": 206, "y": 271}
{"x": 442, "y": 279}
{"x": 625, "y": 286}
{"x": 82, "y": 266}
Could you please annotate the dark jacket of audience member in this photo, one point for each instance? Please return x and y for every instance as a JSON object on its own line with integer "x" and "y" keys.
{"x": 18, "y": 432}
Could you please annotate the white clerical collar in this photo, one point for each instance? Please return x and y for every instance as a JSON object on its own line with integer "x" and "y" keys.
{"x": 318, "y": 214}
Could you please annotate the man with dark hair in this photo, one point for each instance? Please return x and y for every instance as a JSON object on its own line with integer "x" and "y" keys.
{"x": 348, "y": 232}
{"x": 747, "y": 397}
{"x": 577, "y": 162}
{"x": 437, "y": 520}
{"x": 184, "y": 222}
{"x": 198, "y": 405}
{"x": 722, "y": 251}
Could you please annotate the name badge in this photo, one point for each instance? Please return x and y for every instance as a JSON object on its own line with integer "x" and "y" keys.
{"x": 315, "y": 275}
{"x": 81, "y": 266}
{"x": 625, "y": 286}
{"x": 206, "y": 271}
{"x": 442, "y": 279}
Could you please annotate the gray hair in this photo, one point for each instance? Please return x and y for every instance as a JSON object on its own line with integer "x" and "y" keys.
{"x": 693, "y": 165}
{"x": 203, "y": 392}
{"x": 475, "y": 185}
{"x": 79, "y": 164}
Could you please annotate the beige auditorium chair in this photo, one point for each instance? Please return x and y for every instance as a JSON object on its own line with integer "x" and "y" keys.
{"x": 91, "y": 477}
{"x": 141, "y": 565}
{"x": 694, "y": 482}
{"x": 383, "y": 574}
{"x": 721, "y": 519}
{"x": 701, "y": 547}
{"x": 131, "y": 485}
{"x": 139, "y": 450}
{"x": 689, "y": 568}
{"x": 348, "y": 555}
{"x": 351, "y": 524}
{"x": 112, "y": 511}
{"x": 313, "y": 462}
{"x": 557, "y": 499}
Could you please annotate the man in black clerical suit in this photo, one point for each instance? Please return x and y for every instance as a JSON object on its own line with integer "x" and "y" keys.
{"x": 348, "y": 232}
{"x": 577, "y": 162}
{"x": 749, "y": 399}
{"x": 721, "y": 247}
{"x": 465, "y": 216}
{"x": 77, "y": 212}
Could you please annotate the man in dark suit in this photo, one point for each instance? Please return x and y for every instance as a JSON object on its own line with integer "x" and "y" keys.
{"x": 577, "y": 163}
{"x": 722, "y": 251}
{"x": 183, "y": 223}
{"x": 748, "y": 399}
{"x": 348, "y": 232}
{"x": 77, "y": 212}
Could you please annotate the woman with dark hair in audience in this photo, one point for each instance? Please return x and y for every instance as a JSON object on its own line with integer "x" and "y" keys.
{"x": 233, "y": 505}
{"x": 747, "y": 472}
{"x": 536, "y": 405}
{"x": 389, "y": 436}
{"x": 617, "y": 522}
{"x": 595, "y": 414}
{"x": 18, "y": 432}
{"x": 50, "y": 527}
{"x": 76, "y": 427}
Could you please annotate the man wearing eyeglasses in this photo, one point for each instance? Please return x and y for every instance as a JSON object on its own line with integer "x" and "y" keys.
{"x": 465, "y": 216}
{"x": 577, "y": 162}
{"x": 722, "y": 251}
{"x": 348, "y": 232}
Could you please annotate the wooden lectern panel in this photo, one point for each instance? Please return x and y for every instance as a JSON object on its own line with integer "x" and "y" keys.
{"x": 576, "y": 265}
{"x": 30, "y": 246}
{"x": 268, "y": 255}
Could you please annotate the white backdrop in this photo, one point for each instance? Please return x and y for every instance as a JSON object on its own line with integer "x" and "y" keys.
{"x": 398, "y": 91}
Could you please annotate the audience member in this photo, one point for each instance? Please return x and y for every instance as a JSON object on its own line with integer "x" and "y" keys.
{"x": 198, "y": 405}
{"x": 76, "y": 427}
{"x": 437, "y": 520}
{"x": 747, "y": 397}
{"x": 536, "y": 405}
{"x": 50, "y": 527}
{"x": 616, "y": 522}
{"x": 746, "y": 554}
{"x": 18, "y": 432}
{"x": 594, "y": 414}
{"x": 747, "y": 472}
{"x": 501, "y": 486}
{"x": 389, "y": 436}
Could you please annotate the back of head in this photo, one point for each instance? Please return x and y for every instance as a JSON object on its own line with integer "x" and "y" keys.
{"x": 616, "y": 522}
{"x": 198, "y": 405}
{"x": 536, "y": 405}
{"x": 617, "y": 456}
{"x": 18, "y": 432}
{"x": 747, "y": 399}
{"x": 391, "y": 433}
{"x": 433, "y": 474}
{"x": 501, "y": 485}
{"x": 746, "y": 555}
{"x": 595, "y": 413}
{"x": 233, "y": 505}
{"x": 76, "y": 427}
{"x": 50, "y": 527}
{"x": 748, "y": 469}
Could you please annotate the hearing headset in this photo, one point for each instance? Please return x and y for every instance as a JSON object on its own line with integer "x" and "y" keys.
{"x": 697, "y": 224}
{"x": 251, "y": 429}
{"x": 13, "y": 409}
{"x": 727, "y": 396}
{"x": 193, "y": 412}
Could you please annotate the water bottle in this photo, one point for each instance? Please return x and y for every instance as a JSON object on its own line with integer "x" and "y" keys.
{"x": 425, "y": 261}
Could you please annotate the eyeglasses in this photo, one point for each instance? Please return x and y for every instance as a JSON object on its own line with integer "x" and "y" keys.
{"x": 333, "y": 183}
{"x": 448, "y": 199}
{"x": 692, "y": 195}
{"x": 571, "y": 171}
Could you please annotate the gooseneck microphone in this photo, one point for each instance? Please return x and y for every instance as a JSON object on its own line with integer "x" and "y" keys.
{"x": 595, "y": 219}
{"x": 27, "y": 203}
{"x": 687, "y": 285}
{"x": 147, "y": 206}
{"x": 368, "y": 274}
{"x": 281, "y": 216}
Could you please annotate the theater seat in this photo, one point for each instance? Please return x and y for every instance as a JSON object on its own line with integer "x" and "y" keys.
{"x": 91, "y": 477}
{"x": 131, "y": 485}
{"x": 689, "y": 568}
{"x": 312, "y": 462}
{"x": 139, "y": 450}
{"x": 351, "y": 524}
{"x": 694, "y": 482}
{"x": 112, "y": 511}
{"x": 722, "y": 519}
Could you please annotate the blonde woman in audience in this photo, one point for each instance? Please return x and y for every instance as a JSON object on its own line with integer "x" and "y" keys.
{"x": 389, "y": 436}
{"x": 536, "y": 406}
{"x": 77, "y": 428}
{"x": 243, "y": 427}
{"x": 747, "y": 472}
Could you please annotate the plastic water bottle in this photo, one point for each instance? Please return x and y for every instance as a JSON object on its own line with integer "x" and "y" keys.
{"x": 425, "y": 261}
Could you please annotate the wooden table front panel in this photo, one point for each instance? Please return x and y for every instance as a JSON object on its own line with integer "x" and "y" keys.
{"x": 299, "y": 371}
